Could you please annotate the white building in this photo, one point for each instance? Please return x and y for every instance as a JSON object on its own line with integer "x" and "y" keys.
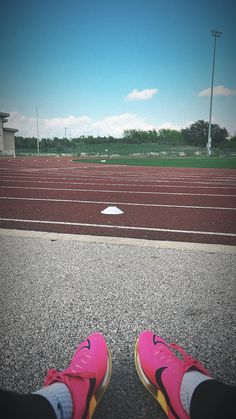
{"x": 7, "y": 137}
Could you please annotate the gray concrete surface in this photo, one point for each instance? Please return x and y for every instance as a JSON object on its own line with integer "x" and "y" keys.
{"x": 55, "y": 291}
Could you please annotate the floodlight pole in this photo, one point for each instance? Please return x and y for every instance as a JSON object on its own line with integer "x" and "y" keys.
{"x": 215, "y": 34}
{"x": 37, "y": 122}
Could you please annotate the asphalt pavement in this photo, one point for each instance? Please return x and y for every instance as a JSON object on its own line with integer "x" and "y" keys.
{"x": 56, "y": 289}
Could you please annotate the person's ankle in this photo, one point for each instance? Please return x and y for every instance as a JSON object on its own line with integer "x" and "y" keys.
{"x": 191, "y": 380}
{"x": 58, "y": 395}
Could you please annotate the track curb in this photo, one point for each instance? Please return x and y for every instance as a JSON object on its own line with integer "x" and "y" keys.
{"x": 188, "y": 246}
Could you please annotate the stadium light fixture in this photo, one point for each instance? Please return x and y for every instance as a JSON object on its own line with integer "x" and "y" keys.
{"x": 215, "y": 34}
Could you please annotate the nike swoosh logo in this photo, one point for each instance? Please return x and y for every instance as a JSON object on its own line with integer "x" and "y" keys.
{"x": 163, "y": 390}
{"x": 86, "y": 346}
{"x": 92, "y": 384}
{"x": 155, "y": 342}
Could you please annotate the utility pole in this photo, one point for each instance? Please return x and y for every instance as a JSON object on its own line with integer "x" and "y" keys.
{"x": 65, "y": 131}
{"x": 215, "y": 34}
{"x": 37, "y": 127}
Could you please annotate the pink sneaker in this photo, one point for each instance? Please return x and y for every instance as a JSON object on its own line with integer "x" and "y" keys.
{"x": 161, "y": 371}
{"x": 87, "y": 376}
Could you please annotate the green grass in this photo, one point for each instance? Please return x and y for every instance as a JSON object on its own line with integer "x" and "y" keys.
{"x": 198, "y": 162}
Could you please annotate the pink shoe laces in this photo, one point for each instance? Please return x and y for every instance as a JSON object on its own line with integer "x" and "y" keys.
{"x": 187, "y": 360}
{"x": 55, "y": 376}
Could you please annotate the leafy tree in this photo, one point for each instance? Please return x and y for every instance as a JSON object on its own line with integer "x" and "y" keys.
{"x": 171, "y": 136}
{"x": 137, "y": 136}
{"x": 163, "y": 136}
{"x": 197, "y": 134}
{"x": 218, "y": 135}
{"x": 26, "y": 143}
{"x": 231, "y": 143}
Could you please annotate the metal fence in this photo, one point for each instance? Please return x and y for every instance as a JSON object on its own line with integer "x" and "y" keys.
{"x": 129, "y": 150}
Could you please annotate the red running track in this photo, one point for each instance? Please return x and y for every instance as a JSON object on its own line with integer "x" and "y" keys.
{"x": 59, "y": 195}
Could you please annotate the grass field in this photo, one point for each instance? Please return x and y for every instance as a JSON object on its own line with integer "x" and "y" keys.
{"x": 147, "y": 154}
{"x": 207, "y": 162}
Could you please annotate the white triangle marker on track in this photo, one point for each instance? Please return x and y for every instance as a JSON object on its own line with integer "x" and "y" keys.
{"x": 112, "y": 210}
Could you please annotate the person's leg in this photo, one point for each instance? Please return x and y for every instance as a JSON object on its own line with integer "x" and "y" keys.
{"x": 72, "y": 393}
{"x": 213, "y": 399}
{"x": 26, "y": 406}
{"x": 178, "y": 384}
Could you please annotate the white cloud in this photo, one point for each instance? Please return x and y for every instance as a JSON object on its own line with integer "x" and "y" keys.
{"x": 170, "y": 125}
{"x": 115, "y": 125}
{"x": 50, "y": 127}
{"x": 70, "y": 121}
{"x": 218, "y": 91}
{"x": 141, "y": 95}
{"x": 83, "y": 125}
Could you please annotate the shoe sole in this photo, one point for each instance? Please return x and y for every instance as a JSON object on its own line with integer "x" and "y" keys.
{"x": 96, "y": 398}
{"x": 155, "y": 392}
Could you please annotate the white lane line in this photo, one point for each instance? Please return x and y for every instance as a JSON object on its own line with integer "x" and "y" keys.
{"x": 114, "y": 203}
{"x": 116, "y": 191}
{"x": 125, "y": 184}
{"x": 128, "y": 177}
{"x": 120, "y": 227}
{"x": 101, "y": 169}
{"x": 126, "y": 171}
{"x": 88, "y": 179}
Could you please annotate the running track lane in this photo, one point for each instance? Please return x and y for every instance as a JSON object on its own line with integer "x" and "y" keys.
{"x": 158, "y": 186}
{"x": 120, "y": 198}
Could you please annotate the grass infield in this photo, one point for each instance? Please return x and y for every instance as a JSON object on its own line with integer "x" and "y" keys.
{"x": 198, "y": 162}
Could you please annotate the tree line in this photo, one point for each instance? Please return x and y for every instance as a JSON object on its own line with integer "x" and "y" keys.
{"x": 194, "y": 135}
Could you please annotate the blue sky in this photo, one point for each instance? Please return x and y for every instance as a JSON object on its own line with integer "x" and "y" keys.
{"x": 83, "y": 61}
